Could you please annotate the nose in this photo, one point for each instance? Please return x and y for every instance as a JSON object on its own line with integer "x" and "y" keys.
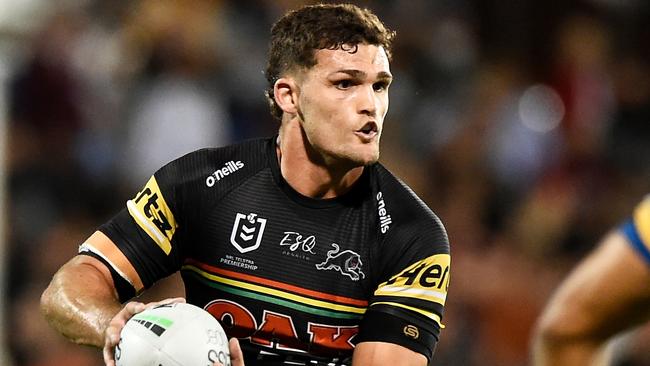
{"x": 368, "y": 101}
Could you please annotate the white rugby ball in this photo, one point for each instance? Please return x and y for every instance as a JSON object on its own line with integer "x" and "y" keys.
{"x": 177, "y": 334}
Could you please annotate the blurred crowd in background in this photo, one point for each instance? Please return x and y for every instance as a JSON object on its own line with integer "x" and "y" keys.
{"x": 525, "y": 125}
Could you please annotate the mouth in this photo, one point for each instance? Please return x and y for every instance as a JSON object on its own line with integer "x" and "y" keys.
{"x": 368, "y": 132}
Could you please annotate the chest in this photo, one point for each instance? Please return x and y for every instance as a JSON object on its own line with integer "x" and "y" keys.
{"x": 262, "y": 232}
{"x": 275, "y": 269}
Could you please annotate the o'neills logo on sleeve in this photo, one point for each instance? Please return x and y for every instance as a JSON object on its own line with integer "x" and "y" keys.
{"x": 229, "y": 168}
{"x": 384, "y": 218}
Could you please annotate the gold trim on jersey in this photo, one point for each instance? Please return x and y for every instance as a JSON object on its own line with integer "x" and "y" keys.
{"x": 153, "y": 215}
{"x": 417, "y": 293}
{"x": 642, "y": 221}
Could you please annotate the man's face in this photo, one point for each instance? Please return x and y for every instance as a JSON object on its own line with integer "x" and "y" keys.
{"x": 342, "y": 103}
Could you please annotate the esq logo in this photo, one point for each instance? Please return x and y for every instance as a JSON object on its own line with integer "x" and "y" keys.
{"x": 295, "y": 240}
{"x": 230, "y": 167}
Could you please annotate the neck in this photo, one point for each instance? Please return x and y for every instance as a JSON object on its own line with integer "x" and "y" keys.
{"x": 309, "y": 172}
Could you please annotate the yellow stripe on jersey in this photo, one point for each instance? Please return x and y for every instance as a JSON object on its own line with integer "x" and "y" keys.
{"x": 153, "y": 215}
{"x": 277, "y": 293}
{"x": 417, "y": 293}
{"x": 427, "y": 279}
{"x": 433, "y": 316}
{"x": 642, "y": 221}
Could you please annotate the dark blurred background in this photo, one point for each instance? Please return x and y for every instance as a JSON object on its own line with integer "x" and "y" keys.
{"x": 525, "y": 125}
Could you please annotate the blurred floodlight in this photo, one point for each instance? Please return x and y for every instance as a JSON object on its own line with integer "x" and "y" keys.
{"x": 540, "y": 108}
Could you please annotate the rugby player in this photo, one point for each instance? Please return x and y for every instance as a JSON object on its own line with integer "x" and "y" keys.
{"x": 303, "y": 245}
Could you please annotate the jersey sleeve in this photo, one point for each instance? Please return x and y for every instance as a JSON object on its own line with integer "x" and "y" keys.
{"x": 637, "y": 229}
{"x": 147, "y": 236}
{"x": 407, "y": 305}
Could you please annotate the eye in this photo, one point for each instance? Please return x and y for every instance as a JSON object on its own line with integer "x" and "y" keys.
{"x": 343, "y": 84}
{"x": 380, "y": 86}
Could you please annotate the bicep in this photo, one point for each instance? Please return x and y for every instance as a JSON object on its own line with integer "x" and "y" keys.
{"x": 91, "y": 267}
{"x": 112, "y": 262}
{"x": 84, "y": 269}
{"x": 382, "y": 353}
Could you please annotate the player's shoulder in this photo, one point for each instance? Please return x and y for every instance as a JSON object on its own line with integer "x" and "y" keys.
{"x": 209, "y": 165}
{"x": 406, "y": 209}
{"x": 389, "y": 188}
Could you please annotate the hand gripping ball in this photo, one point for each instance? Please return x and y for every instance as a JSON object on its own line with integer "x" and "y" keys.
{"x": 177, "y": 334}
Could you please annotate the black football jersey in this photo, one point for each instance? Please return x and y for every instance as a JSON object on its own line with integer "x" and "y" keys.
{"x": 294, "y": 278}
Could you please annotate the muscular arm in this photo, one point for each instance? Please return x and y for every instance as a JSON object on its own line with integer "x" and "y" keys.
{"x": 81, "y": 300}
{"x": 381, "y": 353}
{"x": 608, "y": 292}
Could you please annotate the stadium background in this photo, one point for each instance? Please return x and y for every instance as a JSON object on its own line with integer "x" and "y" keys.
{"x": 525, "y": 125}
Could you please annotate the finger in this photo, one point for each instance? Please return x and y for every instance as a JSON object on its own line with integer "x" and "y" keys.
{"x": 236, "y": 355}
{"x": 130, "y": 309}
{"x": 109, "y": 356}
{"x": 112, "y": 333}
{"x": 166, "y": 301}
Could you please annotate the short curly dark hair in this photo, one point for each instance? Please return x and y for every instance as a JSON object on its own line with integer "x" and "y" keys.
{"x": 299, "y": 33}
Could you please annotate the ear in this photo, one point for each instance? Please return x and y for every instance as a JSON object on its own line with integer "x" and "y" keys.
{"x": 285, "y": 92}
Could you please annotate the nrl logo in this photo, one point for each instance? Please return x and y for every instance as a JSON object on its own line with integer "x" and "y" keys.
{"x": 247, "y": 232}
{"x": 346, "y": 262}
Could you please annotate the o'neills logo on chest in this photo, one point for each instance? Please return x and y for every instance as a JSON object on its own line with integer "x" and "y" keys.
{"x": 384, "y": 218}
{"x": 230, "y": 167}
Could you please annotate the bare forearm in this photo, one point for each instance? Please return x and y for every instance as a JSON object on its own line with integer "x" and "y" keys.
{"x": 80, "y": 302}
{"x": 589, "y": 308}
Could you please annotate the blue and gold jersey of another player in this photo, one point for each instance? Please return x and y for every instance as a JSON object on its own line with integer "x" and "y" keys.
{"x": 285, "y": 273}
{"x": 637, "y": 229}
